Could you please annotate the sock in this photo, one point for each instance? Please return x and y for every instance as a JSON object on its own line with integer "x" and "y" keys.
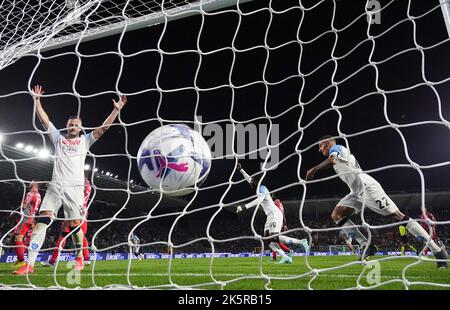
{"x": 20, "y": 249}
{"x": 352, "y": 231}
{"x": 402, "y": 250}
{"x": 274, "y": 255}
{"x": 78, "y": 238}
{"x": 276, "y": 248}
{"x": 417, "y": 231}
{"x": 290, "y": 241}
{"x": 37, "y": 239}
{"x": 283, "y": 247}
{"x": 55, "y": 254}
{"x": 85, "y": 248}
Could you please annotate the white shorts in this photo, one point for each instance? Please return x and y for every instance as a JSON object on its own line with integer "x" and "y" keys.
{"x": 274, "y": 222}
{"x": 70, "y": 197}
{"x": 375, "y": 199}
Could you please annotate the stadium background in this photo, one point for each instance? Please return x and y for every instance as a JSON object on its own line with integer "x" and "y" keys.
{"x": 110, "y": 198}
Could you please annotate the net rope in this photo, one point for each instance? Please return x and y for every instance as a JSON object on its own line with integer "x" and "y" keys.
{"x": 28, "y": 30}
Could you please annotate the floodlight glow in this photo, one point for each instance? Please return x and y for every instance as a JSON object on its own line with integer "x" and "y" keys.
{"x": 44, "y": 153}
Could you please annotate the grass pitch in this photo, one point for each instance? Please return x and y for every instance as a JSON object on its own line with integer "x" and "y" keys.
{"x": 240, "y": 274}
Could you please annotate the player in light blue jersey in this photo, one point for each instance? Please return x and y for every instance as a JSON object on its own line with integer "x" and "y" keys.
{"x": 364, "y": 191}
{"x": 274, "y": 221}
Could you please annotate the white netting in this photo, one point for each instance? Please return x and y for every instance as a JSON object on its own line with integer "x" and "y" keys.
{"x": 30, "y": 25}
{"x": 274, "y": 76}
{"x": 340, "y": 249}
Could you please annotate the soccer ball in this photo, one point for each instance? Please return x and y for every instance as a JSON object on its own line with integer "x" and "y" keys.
{"x": 173, "y": 158}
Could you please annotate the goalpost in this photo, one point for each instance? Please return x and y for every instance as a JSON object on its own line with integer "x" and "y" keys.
{"x": 445, "y": 5}
{"x": 283, "y": 73}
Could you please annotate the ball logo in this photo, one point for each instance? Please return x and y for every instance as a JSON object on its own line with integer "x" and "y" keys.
{"x": 169, "y": 163}
{"x": 174, "y": 159}
{"x": 163, "y": 164}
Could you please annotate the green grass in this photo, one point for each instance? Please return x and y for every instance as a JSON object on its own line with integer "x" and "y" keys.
{"x": 237, "y": 273}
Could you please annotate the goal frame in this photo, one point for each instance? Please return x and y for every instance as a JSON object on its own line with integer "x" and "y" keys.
{"x": 140, "y": 22}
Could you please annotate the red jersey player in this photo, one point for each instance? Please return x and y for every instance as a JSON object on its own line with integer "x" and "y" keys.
{"x": 29, "y": 207}
{"x": 285, "y": 248}
{"x": 65, "y": 231}
{"x": 434, "y": 236}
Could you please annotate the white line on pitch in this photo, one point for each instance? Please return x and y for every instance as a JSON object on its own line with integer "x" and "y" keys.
{"x": 217, "y": 275}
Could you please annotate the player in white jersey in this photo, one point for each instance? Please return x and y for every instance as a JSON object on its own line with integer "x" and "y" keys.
{"x": 67, "y": 185}
{"x": 136, "y": 247}
{"x": 274, "y": 221}
{"x": 364, "y": 191}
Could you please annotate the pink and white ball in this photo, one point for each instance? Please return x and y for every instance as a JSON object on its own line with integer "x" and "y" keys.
{"x": 174, "y": 158}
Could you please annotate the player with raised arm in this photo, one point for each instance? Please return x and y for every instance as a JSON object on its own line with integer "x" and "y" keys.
{"x": 136, "y": 246}
{"x": 274, "y": 219}
{"x": 29, "y": 206}
{"x": 67, "y": 185}
{"x": 364, "y": 190}
{"x": 65, "y": 231}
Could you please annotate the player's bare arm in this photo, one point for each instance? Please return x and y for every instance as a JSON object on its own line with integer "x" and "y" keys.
{"x": 118, "y": 105}
{"x": 247, "y": 177}
{"x": 43, "y": 117}
{"x": 284, "y": 223}
{"x": 330, "y": 161}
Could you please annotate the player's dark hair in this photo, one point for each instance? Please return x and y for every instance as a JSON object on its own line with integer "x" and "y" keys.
{"x": 74, "y": 117}
{"x": 327, "y": 137}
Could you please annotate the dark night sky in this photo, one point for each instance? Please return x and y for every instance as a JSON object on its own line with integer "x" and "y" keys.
{"x": 427, "y": 144}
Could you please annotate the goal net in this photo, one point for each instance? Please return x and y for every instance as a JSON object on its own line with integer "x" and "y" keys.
{"x": 262, "y": 81}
